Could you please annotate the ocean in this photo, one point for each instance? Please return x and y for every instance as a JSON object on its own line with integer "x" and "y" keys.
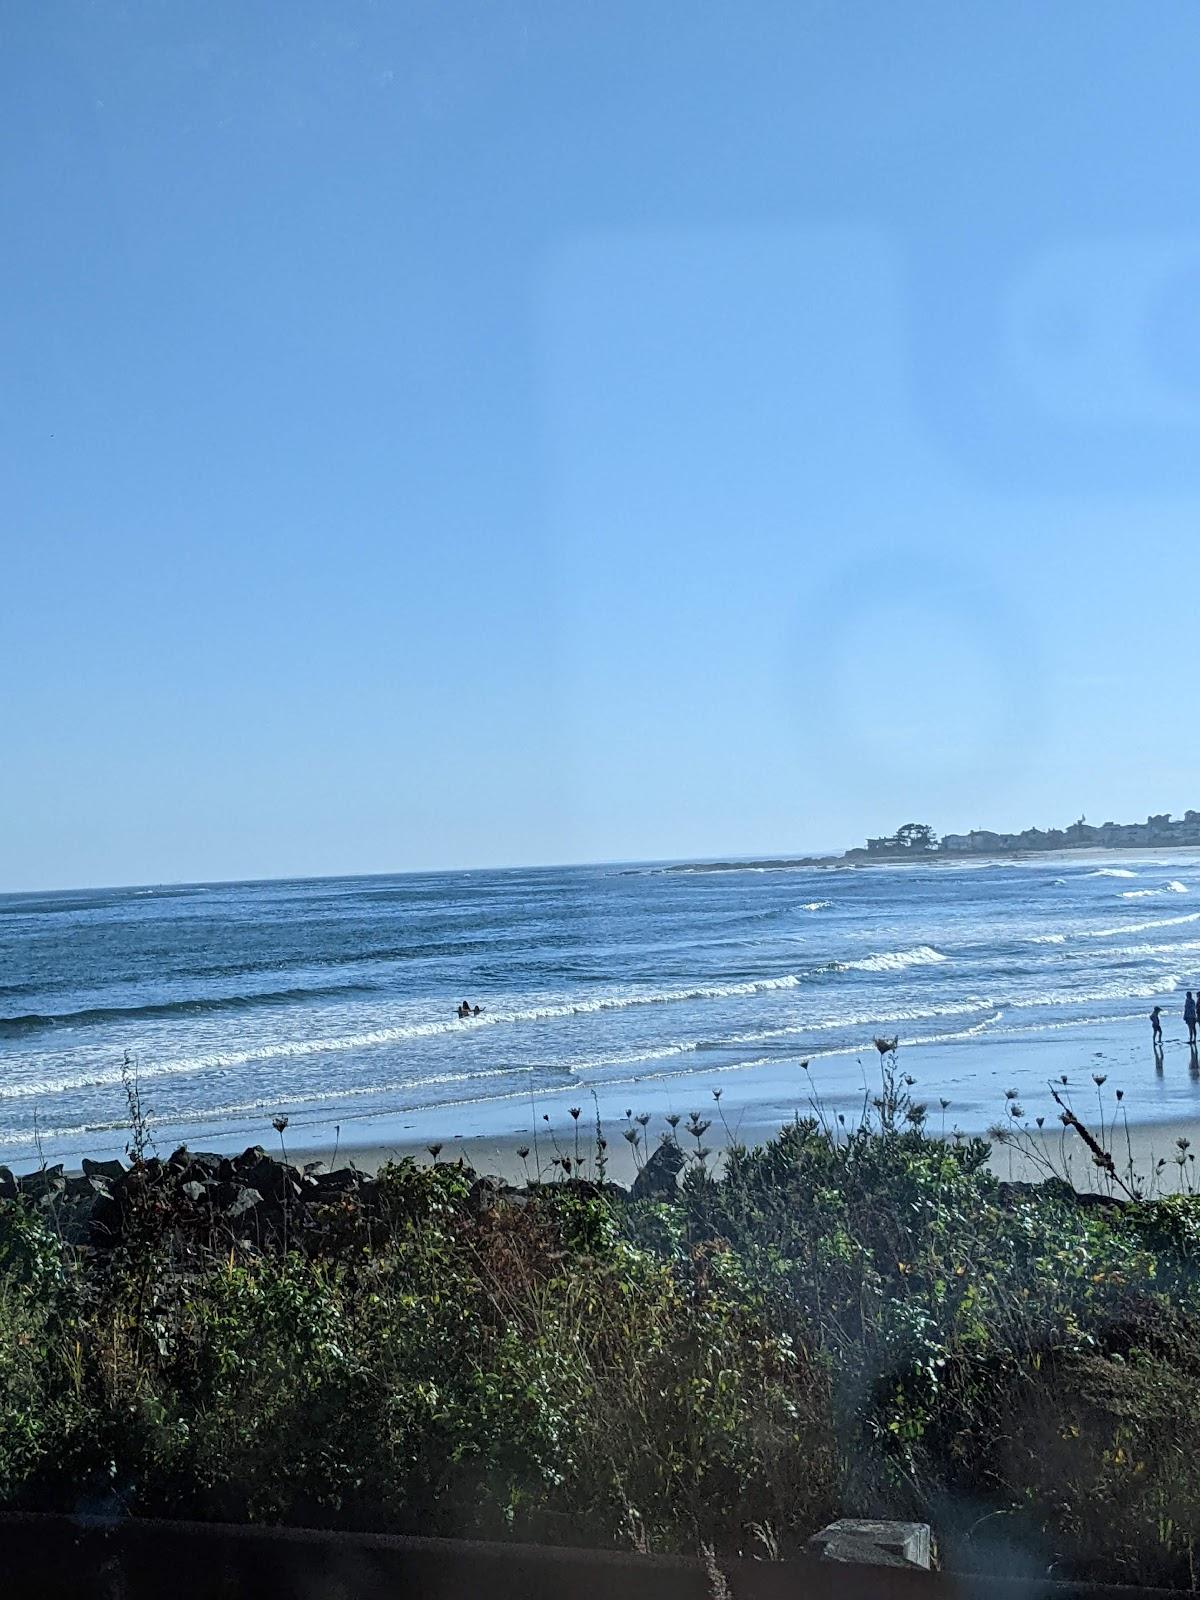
{"x": 333, "y": 1001}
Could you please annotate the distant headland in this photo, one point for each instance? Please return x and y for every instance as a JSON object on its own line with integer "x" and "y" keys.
{"x": 919, "y": 839}
{"x": 916, "y": 841}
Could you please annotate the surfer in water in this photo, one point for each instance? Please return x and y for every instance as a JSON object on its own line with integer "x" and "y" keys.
{"x": 466, "y": 1010}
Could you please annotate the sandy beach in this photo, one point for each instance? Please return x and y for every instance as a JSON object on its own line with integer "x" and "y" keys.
{"x": 1145, "y": 1108}
{"x": 1053, "y": 1150}
{"x": 1139, "y": 1110}
{"x": 975, "y": 1078}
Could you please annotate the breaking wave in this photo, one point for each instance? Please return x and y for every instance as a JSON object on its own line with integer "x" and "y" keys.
{"x": 1113, "y": 933}
{"x": 1141, "y": 927}
{"x": 368, "y": 1038}
{"x": 892, "y": 960}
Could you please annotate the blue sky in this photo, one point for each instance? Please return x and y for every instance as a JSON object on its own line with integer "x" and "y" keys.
{"x": 444, "y": 434}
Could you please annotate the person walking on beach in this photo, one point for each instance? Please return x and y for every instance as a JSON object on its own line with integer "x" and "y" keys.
{"x": 1189, "y": 1016}
{"x": 1156, "y": 1027}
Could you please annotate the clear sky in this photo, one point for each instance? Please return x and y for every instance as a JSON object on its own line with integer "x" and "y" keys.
{"x": 452, "y": 434}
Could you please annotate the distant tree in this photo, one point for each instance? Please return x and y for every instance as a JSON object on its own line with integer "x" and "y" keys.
{"x": 916, "y": 836}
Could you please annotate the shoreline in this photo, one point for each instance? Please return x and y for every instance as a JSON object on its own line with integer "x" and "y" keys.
{"x": 965, "y": 1081}
{"x": 1152, "y": 1147}
{"x": 1062, "y": 1149}
{"x": 1053, "y": 1152}
{"x": 863, "y": 858}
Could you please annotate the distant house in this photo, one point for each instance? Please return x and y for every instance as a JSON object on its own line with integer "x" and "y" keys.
{"x": 1082, "y": 833}
{"x": 982, "y": 841}
{"x": 917, "y": 838}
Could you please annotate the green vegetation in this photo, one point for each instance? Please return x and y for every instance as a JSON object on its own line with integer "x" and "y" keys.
{"x": 854, "y": 1322}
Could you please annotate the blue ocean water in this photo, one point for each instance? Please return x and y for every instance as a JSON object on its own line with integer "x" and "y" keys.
{"x": 334, "y": 1000}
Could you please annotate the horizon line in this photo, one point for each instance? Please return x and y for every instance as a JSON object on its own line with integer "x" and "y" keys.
{"x": 419, "y": 872}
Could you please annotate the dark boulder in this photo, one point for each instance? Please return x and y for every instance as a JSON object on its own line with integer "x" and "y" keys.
{"x": 8, "y": 1185}
{"x": 1089, "y": 1199}
{"x": 659, "y": 1178}
{"x": 273, "y": 1180}
{"x": 236, "y": 1200}
{"x": 85, "y": 1187}
{"x": 42, "y": 1183}
{"x": 209, "y": 1163}
{"x": 105, "y": 1221}
{"x": 114, "y": 1171}
{"x": 592, "y": 1189}
{"x": 197, "y": 1163}
{"x": 250, "y": 1157}
{"x": 247, "y": 1200}
{"x": 328, "y": 1184}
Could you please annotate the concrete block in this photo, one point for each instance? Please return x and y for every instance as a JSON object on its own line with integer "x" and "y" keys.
{"x": 866, "y": 1542}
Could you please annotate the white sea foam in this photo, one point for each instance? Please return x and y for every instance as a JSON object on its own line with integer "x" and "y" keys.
{"x": 402, "y": 1033}
{"x": 1112, "y": 933}
{"x": 1174, "y": 887}
{"x": 370, "y": 1038}
{"x": 816, "y": 905}
{"x": 887, "y": 1017}
{"x": 923, "y": 955}
{"x": 275, "y": 1101}
{"x": 1141, "y": 927}
{"x": 1166, "y": 951}
{"x": 68, "y": 1083}
{"x": 1139, "y": 989}
{"x": 631, "y": 1058}
{"x": 862, "y": 1046}
{"x": 1111, "y": 872}
{"x": 972, "y": 1032}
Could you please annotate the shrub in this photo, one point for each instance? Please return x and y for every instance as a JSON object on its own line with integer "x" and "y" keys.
{"x": 840, "y": 1323}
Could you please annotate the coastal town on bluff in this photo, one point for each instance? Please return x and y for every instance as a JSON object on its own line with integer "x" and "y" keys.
{"x": 918, "y": 839}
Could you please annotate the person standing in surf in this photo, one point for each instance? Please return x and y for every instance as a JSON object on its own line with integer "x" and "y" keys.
{"x": 1189, "y": 1016}
{"x": 1156, "y": 1027}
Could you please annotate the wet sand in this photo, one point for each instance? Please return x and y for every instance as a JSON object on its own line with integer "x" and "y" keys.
{"x": 1158, "y": 1104}
{"x": 750, "y": 1103}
